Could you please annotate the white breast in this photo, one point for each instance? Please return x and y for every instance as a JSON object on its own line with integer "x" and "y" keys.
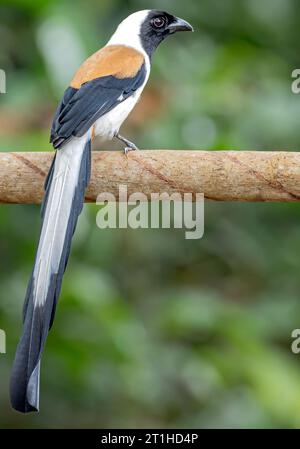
{"x": 109, "y": 124}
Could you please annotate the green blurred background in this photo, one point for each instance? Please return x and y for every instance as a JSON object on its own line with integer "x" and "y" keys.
{"x": 153, "y": 330}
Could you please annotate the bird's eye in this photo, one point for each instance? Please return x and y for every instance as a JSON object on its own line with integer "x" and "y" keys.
{"x": 158, "y": 22}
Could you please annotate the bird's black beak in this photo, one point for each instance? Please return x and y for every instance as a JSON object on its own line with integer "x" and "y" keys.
{"x": 179, "y": 25}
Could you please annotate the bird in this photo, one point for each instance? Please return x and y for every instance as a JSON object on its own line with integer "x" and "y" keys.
{"x": 99, "y": 98}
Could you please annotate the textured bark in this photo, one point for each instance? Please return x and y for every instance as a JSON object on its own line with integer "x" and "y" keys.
{"x": 220, "y": 175}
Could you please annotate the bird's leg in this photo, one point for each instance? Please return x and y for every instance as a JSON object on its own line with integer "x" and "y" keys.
{"x": 130, "y": 146}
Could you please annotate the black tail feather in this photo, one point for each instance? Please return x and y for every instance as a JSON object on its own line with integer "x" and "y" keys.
{"x": 38, "y": 318}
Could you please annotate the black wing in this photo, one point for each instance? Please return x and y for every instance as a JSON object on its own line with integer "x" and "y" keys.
{"x": 80, "y": 108}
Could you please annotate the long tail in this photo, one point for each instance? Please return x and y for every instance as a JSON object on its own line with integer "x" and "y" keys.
{"x": 65, "y": 187}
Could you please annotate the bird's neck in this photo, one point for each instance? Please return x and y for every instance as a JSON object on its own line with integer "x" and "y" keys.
{"x": 127, "y": 38}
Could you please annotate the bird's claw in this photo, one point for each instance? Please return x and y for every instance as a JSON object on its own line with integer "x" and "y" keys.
{"x": 128, "y": 149}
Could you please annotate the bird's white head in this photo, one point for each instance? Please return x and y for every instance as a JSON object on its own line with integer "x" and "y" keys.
{"x": 145, "y": 30}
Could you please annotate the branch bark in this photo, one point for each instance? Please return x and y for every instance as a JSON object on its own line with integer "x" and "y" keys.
{"x": 220, "y": 175}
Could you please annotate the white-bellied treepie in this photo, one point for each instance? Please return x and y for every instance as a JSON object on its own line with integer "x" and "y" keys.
{"x": 101, "y": 95}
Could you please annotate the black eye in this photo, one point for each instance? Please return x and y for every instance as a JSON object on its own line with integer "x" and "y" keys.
{"x": 158, "y": 22}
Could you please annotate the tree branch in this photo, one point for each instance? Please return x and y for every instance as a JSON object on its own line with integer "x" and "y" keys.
{"x": 220, "y": 175}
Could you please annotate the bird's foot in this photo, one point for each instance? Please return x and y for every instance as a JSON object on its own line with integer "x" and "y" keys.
{"x": 132, "y": 147}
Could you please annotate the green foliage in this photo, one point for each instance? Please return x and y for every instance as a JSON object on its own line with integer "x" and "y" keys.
{"x": 154, "y": 330}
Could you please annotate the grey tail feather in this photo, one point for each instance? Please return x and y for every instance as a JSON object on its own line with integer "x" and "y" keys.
{"x": 38, "y": 317}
